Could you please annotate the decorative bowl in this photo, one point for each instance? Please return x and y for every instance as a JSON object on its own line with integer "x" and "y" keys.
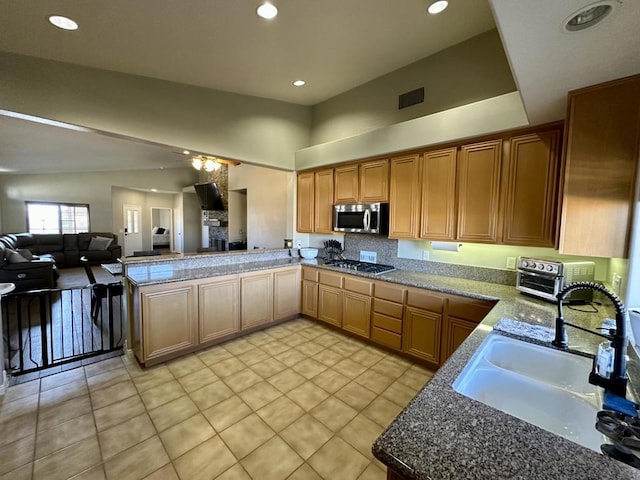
{"x": 309, "y": 252}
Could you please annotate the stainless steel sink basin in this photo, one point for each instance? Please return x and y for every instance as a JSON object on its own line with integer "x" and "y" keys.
{"x": 539, "y": 385}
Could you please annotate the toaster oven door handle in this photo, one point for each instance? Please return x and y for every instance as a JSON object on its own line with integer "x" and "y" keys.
{"x": 536, "y": 274}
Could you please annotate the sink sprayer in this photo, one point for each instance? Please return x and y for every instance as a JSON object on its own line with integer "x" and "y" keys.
{"x": 617, "y": 383}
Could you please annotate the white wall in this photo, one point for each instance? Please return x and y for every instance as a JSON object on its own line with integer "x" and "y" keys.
{"x": 269, "y": 203}
{"x": 91, "y": 188}
{"x": 487, "y": 116}
{"x": 245, "y": 128}
{"x": 470, "y": 71}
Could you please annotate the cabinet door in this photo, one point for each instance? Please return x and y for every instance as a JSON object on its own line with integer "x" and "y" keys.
{"x": 305, "y": 194}
{"x": 438, "y": 217}
{"x": 169, "y": 319}
{"x": 286, "y": 293}
{"x": 404, "y": 197}
{"x": 256, "y": 299}
{"x": 330, "y": 305}
{"x": 456, "y": 330}
{"x": 479, "y": 191}
{"x": 218, "y": 308}
{"x": 356, "y": 313}
{"x": 346, "y": 184}
{"x": 421, "y": 336}
{"x": 601, "y": 162}
{"x": 374, "y": 181}
{"x": 532, "y": 190}
{"x": 310, "y": 298}
{"x": 323, "y": 213}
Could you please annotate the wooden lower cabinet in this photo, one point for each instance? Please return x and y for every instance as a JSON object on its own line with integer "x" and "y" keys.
{"x": 310, "y": 298}
{"x": 256, "y": 299}
{"x": 356, "y": 313}
{"x": 422, "y": 334}
{"x": 330, "y": 305}
{"x": 455, "y": 331}
{"x": 169, "y": 319}
{"x": 286, "y": 293}
{"x": 218, "y": 308}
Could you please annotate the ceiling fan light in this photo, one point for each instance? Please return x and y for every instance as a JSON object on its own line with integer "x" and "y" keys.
{"x": 210, "y": 165}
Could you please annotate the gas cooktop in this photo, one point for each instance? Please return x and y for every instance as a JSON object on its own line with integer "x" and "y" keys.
{"x": 366, "y": 267}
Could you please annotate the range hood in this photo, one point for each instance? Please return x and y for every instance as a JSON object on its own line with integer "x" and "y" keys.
{"x": 209, "y": 196}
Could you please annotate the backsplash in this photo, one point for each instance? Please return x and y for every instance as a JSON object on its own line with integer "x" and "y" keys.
{"x": 387, "y": 251}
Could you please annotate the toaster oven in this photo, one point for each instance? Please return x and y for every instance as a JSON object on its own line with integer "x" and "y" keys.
{"x": 545, "y": 278}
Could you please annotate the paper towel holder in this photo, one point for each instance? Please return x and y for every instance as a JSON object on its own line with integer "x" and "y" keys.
{"x": 446, "y": 246}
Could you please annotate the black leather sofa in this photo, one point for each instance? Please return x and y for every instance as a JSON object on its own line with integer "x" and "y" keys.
{"x": 52, "y": 251}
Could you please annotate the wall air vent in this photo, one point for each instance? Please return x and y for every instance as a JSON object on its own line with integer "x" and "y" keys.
{"x": 411, "y": 98}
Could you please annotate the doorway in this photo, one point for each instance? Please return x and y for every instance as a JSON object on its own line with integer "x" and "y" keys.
{"x": 132, "y": 229}
{"x": 162, "y": 229}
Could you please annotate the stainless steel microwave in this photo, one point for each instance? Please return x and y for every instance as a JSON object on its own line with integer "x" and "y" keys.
{"x": 361, "y": 218}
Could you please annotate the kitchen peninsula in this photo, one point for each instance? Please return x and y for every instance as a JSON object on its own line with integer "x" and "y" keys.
{"x": 441, "y": 434}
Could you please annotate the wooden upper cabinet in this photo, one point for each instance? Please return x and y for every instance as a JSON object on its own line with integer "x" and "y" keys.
{"x": 531, "y": 190}
{"x": 404, "y": 197}
{"x": 323, "y": 211}
{"x": 374, "y": 181}
{"x": 479, "y": 167}
{"x": 305, "y": 195}
{"x": 346, "y": 184}
{"x": 438, "y": 212}
{"x": 600, "y": 168}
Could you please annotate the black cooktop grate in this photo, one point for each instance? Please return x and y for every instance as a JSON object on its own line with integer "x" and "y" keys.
{"x": 366, "y": 267}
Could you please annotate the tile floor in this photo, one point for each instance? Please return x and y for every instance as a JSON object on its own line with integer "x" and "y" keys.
{"x": 296, "y": 401}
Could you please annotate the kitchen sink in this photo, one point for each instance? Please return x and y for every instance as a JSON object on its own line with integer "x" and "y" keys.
{"x": 542, "y": 386}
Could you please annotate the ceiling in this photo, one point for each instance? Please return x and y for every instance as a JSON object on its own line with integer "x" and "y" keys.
{"x": 334, "y": 45}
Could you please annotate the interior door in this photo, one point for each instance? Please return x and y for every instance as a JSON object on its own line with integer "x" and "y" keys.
{"x": 132, "y": 215}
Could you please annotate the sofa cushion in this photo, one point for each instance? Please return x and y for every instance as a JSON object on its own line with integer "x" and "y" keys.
{"x": 70, "y": 241}
{"x": 13, "y": 256}
{"x": 100, "y": 243}
{"x": 47, "y": 243}
{"x": 24, "y": 240}
{"x": 26, "y": 253}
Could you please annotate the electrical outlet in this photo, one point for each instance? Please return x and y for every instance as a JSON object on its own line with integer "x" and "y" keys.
{"x": 366, "y": 256}
{"x": 511, "y": 262}
{"x": 616, "y": 283}
{"x": 425, "y": 254}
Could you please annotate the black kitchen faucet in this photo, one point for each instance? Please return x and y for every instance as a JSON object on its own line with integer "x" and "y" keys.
{"x": 617, "y": 383}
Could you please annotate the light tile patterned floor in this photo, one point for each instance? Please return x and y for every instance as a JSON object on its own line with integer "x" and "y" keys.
{"x": 295, "y": 401}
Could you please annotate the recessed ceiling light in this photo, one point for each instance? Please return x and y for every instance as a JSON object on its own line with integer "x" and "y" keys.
{"x": 299, "y": 83}
{"x": 267, "y": 10}
{"x": 437, "y": 7}
{"x": 63, "y": 22}
{"x": 154, "y": 189}
{"x": 186, "y": 152}
{"x": 588, "y": 16}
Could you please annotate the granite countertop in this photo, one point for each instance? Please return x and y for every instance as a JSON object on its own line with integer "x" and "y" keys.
{"x": 442, "y": 434}
{"x": 142, "y": 274}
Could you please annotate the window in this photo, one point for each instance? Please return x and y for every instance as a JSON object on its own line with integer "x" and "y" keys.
{"x": 57, "y": 217}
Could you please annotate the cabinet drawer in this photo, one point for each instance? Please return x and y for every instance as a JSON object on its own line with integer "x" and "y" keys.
{"x": 386, "y": 338}
{"x": 388, "y": 323}
{"x": 310, "y": 274}
{"x": 469, "y": 308}
{"x": 358, "y": 286}
{"x": 330, "y": 278}
{"x": 425, "y": 300}
{"x": 393, "y": 293}
{"x": 385, "y": 307}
